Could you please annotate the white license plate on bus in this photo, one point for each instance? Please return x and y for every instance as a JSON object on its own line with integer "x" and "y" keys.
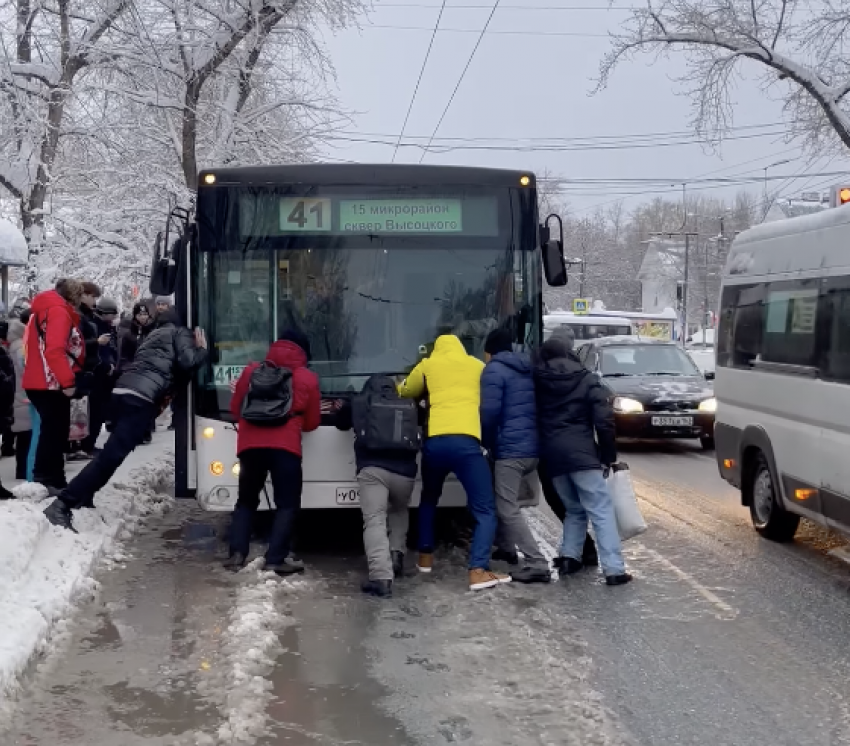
{"x": 673, "y": 421}
{"x": 348, "y": 496}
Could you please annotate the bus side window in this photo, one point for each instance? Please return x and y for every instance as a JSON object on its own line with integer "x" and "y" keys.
{"x": 741, "y": 325}
{"x": 834, "y": 334}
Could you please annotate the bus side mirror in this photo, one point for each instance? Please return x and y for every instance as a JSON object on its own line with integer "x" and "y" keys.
{"x": 554, "y": 266}
{"x": 163, "y": 268}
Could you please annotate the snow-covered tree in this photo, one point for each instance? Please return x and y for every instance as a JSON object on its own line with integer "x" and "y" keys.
{"x": 797, "y": 47}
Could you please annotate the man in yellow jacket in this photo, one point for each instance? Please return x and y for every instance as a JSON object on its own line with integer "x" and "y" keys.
{"x": 451, "y": 380}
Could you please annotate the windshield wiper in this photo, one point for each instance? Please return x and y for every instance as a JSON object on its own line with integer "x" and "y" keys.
{"x": 664, "y": 373}
{"x": 617, "y": 375}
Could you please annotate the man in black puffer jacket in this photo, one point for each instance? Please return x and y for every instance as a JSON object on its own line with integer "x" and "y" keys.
{"x": 169, "y": 353}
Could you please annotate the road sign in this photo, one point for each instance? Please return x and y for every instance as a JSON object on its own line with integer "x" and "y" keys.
{"x": 581, "y": 305}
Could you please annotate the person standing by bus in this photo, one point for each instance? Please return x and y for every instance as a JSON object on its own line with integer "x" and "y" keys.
{"x": 104, "y": 318}
{"x": 451, "y": 380}
{"x": 55, "y": 352}
{"x": 168, "y": 356}
{"x": 22, "y": 426}
{"x": 577, "y": 441}
{"x": 509, "y": 433}
{"x": 386, "y": 442}
{"x": 273, "y": 448}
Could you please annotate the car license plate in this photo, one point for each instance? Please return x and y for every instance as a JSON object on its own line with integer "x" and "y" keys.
{"x": 348, "y": 496}
{"x": 673, "y": 421}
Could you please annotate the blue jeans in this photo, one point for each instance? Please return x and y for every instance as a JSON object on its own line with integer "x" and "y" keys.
{"x": 585, "y": 495}
{"x": 461, "y": 455}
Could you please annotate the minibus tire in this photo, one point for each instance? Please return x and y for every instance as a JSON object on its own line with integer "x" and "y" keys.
{"x": 769, "y": 517}
{"x": 707, "y": 442}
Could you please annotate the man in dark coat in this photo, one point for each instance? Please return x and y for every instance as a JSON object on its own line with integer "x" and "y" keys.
{"x": 509, "y": 433}
{"x": 7, "y": 401}
{"x": 104, "y": 318}
{"x": 577, "y": 439}
{"x": 589, "y": 557}
{"x": 169, "y": 354}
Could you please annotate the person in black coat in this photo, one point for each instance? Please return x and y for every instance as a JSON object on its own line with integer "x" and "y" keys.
{"x": 7, "y": 402}
{"x": 577, "y": 446}
{"x": 133, "y": 334}
{"x": 170, "y": 354}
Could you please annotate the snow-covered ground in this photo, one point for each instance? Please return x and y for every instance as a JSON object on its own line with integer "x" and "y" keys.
{"x": 45, "y": 571}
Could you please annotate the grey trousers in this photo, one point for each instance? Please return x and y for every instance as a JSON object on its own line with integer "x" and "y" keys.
{"x": 514, "y": 533}
{"x": 384, "y": 500}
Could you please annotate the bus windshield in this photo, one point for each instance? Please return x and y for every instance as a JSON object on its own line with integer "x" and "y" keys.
{"x": 367, "y": 304}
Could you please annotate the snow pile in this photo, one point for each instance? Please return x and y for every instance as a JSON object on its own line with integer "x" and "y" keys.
{"x": 45, "y": 570}
{"x": 252, "y": 645}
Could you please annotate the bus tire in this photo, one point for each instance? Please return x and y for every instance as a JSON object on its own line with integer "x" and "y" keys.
{"x": 768, "y": 514}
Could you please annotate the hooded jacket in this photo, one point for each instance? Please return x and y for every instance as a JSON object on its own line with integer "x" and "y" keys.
{"x": 22, "y": 416}
{"x": 508, "y": 407}
{"x": 54, "y": 349}
{"x": 169, "y": 352}
{"x": 573, "y": 413}
{"x": 306, "y": 403}
{"x": 395, "y": 462}
{"x": 451, "y": 381}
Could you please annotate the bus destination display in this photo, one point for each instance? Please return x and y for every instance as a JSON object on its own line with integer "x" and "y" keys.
{"x": 382, "y": 216}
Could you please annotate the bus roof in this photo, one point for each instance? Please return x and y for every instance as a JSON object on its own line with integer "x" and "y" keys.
{"x": 809, "y": 243}
{"x": 361, "y": 173}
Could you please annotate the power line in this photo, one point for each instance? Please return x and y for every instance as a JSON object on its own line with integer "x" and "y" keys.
{"x": 418, "y": 81}
{"x": 534, "y": 146}
{"x": 460, "y": 79}
{"x": 578, "y": 34}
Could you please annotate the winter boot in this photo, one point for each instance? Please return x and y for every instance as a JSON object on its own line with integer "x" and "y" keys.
{"x": 618, "y": 579}
{"x": 532, "y": 574}
{"x": 479, "y": 579}
{"x": 379, "y": 588}
{"x": 235, "y": 562}
{"x": 567, "y": 565}
{"x": 284, "y": 568}
{"x": 425, "y": 563}
{"x": 59, "y": 514}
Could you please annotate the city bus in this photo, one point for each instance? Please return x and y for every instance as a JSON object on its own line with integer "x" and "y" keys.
{"x": 372, "y": 263}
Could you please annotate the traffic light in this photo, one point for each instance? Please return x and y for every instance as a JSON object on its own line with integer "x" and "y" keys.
{"x": 840, "y": 196}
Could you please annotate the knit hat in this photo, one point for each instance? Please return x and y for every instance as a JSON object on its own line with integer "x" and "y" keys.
{"x": 499, "y": 340}
{"x": 296, "y": 336}
{"x": 107, "y": 305}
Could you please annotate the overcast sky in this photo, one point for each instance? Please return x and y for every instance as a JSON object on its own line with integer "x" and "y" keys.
{"x": 530, "y": 78}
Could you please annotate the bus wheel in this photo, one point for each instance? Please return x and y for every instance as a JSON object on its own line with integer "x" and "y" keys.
{"x": 707, "y": 442}
{"x": 769, "y": 517}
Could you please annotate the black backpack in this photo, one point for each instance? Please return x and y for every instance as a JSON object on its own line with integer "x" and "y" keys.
{"x": 382, "y": 420}
{"x": 268, "y": 402}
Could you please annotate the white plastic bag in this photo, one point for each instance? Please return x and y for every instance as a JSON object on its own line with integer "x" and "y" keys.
{"x": 630, "y": 522}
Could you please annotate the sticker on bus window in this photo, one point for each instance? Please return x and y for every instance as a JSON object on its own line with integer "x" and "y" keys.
{"x": 226, "y": 375}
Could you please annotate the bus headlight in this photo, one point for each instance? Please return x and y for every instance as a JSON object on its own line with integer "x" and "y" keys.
{"x": 209, "y": 432}
{"x": 709, "y": 405}
{"x": 236, "y": 469}
{"x": 216, "y": 468}
{"x": 624, "y": 405}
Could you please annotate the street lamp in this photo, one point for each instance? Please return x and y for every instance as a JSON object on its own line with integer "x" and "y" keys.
{"x": 580, "y": 261}
{"x": 772, "y": 165}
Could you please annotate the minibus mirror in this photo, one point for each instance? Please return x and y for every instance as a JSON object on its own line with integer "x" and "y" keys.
{"x": 553, "y": 264}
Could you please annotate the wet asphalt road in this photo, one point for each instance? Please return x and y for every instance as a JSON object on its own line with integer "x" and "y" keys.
{"x": 723, "y": 639}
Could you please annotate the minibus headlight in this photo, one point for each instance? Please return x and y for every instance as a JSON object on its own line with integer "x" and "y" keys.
{"x": 709, "y": 405}
{"x": 624, "y": 405}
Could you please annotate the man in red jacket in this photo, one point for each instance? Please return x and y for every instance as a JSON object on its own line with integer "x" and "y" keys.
{"x": 277, "y": 450}
{"x": 54, "y": 353}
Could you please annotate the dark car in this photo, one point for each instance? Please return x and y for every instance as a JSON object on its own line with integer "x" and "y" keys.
{"x": 656, "y": 389}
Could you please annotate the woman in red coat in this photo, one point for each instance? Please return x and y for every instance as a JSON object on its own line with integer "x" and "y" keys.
{"x": 54, "y": 353}
{"x": 264, "y": 449}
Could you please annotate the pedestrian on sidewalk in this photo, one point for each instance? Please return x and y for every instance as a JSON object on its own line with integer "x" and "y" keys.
{"x": 167, "y": 358}
{"x": 386, "y": 442}
{"x": 509, "y": 433}
{"x": 105, "y": 315}
{"x": 577, "y": 441}
{"x": 54, "y": 354}
{"x": 22, "y": 424}
{"x": 7, "y": 402}
{"x": 451, "y": 381}
{"x": 274, "y": 402}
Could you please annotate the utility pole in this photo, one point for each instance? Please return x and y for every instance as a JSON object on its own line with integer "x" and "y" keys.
{"x": 685, "y": 273}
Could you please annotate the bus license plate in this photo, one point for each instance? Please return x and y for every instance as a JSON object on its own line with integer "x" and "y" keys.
{"x": 348, "y": 496}
{"x": 673, "y": 421}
